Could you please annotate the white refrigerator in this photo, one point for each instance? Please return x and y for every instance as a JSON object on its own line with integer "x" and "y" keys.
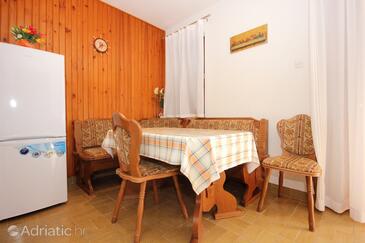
{"x": 32, "y": 130}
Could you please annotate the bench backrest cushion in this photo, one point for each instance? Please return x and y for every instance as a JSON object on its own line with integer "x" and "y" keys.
{"x": 257, "y": 127}
{"x": 160, "y": 122}
{"x": 91, "y": 133}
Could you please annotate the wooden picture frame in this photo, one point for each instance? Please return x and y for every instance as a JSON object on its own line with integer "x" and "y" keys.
{"x": 249, "y": 39}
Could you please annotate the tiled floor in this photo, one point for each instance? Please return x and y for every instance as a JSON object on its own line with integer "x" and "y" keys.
{"x": 283, "y": 220}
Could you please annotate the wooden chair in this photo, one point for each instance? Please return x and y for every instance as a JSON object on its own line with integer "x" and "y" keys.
{"x": 128, "y": 136}
{"x": 298, "y": 156}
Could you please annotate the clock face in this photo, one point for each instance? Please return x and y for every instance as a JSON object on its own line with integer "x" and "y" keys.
{"x": 100, "y": 45}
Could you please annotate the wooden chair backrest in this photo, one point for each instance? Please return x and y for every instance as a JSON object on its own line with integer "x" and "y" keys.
{"x": 296, "y": 136}
{"x": 128, "y": 138}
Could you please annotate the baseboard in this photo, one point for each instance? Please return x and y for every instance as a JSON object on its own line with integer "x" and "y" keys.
{"x": 71, "y": 180}
{"x": 290, "y": 181}
{"x": 289, "y": 193}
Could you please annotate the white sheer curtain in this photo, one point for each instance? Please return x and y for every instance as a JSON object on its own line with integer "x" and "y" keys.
{"x": 337, "y": 55}
{"x": 184, "y": 95}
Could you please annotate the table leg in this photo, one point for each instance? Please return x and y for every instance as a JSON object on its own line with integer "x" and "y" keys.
{"x": 197, "y": 233}
{"x": 214, "y": 195}
{"x": 225, "y": 201}
{"x": 253, "y": 182}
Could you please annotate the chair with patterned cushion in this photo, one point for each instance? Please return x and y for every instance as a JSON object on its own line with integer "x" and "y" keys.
{"x": 90, "y": 157}
{"x": 298, "y": 156}
{"x": 128, "y": 137}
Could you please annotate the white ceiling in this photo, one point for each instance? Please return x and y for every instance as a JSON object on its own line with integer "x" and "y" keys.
{"x": 161, "y": 13}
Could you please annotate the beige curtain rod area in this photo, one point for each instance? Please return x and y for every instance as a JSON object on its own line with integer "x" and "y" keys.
{"x": 205, "y": 17}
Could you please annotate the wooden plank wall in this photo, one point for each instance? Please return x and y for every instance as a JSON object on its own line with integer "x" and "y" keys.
{"x": 96, "y": 84}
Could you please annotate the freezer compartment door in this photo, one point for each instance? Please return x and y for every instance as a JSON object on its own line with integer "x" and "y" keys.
{"x": 32, "y": 175}
{"x": 32, "y": 93}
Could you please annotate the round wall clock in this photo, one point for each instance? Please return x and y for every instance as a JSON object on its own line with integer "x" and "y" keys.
{"x": 100, "y": 45}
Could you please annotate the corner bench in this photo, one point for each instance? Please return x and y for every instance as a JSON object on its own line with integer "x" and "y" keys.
{"x": 89, "y": 156}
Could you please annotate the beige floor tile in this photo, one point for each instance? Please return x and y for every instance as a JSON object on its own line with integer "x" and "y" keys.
{"x": 251, "y": 233}
{"x": 267, "y": 237}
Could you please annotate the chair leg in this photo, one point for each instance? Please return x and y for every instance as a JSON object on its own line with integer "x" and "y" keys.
{"x": 311, "y": 221}
{"x": 155, "y": 192}
{"x": 281, "y": 180}
{"x": 90, "y": 185}
{"x": 315, "y": 181}
{"x": 142, "y": 192}
{"x": 179, "y": 197}
{"x": 119, "y": 201}
{"x": 264, "y": 189}
{"x": 78, "y": 170}
{"x": 86, "y": 178}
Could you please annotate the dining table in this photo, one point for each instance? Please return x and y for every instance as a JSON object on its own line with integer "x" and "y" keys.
{"x": 203, "y": 156}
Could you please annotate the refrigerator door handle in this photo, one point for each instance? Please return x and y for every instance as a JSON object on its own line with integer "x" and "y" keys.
{"x": 29, "y": 138}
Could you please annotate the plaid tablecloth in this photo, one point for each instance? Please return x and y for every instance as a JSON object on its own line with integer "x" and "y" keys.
{"x": 202, "y": 153}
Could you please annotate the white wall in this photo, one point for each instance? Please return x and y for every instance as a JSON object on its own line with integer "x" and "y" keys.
{"x": 267, "y": 81}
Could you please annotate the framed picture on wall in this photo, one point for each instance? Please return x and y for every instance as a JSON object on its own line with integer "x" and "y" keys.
{"x": 249, "y": 38}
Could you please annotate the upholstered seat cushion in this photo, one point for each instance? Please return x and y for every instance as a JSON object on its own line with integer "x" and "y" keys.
{"x": 94, "y": 153}
{"x": 293, "y": 163}
{"x": 154, "y": 167}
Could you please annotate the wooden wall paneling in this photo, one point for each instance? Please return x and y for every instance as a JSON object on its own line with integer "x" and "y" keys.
{"x": 100, "y": 58}
{"x": 134, "y": 46}
{"x": 103, "y": 74}
{"x": 96, "y": 61}
{"x": 144, "y": 70}
{"x": 20, "y": 6}
{"x": 12, "y": 19}
{"x": 151, "y": 74}
{"x": 124, "y": 72}
{"x": 43, "y": 20}
{"x": 79, "y": 60}
{"x": 73, "y": 110}
{"x": 68, "y": 67}
{"x": 104, "y": 65}
{"x": 56, "y": 26}
{"x": 89, "y": 47}
{"x": 35, "y": 14}
{"x": 62, "y": 27}
{"x": 85, "y": 58}
{"x": 136, "y": 73}
{"x": 107, "y": 99}
{"x": 113, "y": 60}
{"x": 110, "y": 80}
{"x": 28, "y": 12}
{"x": 117, "y": 49}
{"x": 96, "y": 84}
{"x": 49, "y": 25}
{"x": 92, "y": 57}
{"x": 99, "y": 63}
{"x": 4, "y": 20}
{"x": 130, "y": 71}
